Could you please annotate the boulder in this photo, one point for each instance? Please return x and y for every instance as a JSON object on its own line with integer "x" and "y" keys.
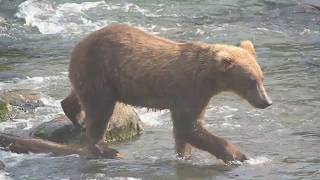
{"x": 124, "y": 124}
{"x": 60, "y": 130}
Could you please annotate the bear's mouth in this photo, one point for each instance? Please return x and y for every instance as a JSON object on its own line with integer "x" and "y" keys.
{"x": 260, "y": 98}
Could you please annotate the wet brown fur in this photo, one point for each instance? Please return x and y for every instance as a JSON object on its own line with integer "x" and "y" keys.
{"x": 121, "y": 63}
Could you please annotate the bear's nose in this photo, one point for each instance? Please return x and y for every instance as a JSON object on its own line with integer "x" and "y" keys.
{"x": 266, "y": 104}
{"x": 269, "y": 101}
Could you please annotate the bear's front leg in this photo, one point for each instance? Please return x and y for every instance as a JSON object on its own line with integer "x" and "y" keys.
{"x": 190, "y": 126}
{"x": 101, "y": 149}
{"x": 97, "y": 118}
{"x": 183, "y": 148}
{"x": 98, "y": 109}
{"x": 221, "y": 148}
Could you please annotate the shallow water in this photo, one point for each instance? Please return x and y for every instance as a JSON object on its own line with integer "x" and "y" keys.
{"x": 36, "y": 37}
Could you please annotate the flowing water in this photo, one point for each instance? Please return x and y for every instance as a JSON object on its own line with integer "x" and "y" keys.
{"x": 283, "y": 141}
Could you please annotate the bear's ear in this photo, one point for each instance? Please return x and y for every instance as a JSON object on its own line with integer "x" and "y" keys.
{"x": 247, "y": 45}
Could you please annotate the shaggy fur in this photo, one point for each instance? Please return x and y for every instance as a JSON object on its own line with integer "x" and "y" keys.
{"x": 122, "y": 63}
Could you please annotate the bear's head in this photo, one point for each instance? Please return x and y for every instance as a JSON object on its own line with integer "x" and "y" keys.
{"x": 241, "y": 73}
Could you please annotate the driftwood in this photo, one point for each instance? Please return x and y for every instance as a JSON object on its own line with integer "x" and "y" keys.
{"x": 34, "y": 145}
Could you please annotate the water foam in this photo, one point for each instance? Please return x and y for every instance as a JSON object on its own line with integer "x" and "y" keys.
{"x": 52, "y": 18}
{"x": 36, "y": 82}
{"x": 152, "y": 118}
{"x": 4, "y": 175}
{"x": 127, "y": 7}
{"x": 72, "y": 18}
{"x": 51, "y": 107}
{"x": 16, "y": 124}
{"x": 124, "y": 178}
{"x": 258, "y": 160}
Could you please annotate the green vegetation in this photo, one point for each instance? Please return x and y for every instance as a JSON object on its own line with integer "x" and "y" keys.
{"x": 123, "y": 134}
{"x": 5, "y": 68}
{"x": 4, "y": 110}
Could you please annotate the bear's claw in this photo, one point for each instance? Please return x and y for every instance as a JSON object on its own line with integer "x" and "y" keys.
{"x": 231, "y": 153}
{"x": 102, "y": 150}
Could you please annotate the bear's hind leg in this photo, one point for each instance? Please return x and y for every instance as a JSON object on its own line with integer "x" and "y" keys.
{"x": 98, "y": 108}
{"x": 72, "y": 109}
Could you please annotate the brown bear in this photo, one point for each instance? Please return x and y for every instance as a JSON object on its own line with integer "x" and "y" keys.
{"x": 120, "y": 63}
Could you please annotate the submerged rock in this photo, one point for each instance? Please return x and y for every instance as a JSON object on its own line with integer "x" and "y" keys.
{"x": 60, "y": 130}
{"x": 124, "y": 124}
{"x": 2, "y": 166}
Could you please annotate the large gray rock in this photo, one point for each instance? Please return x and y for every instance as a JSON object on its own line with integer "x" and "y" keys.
{"x": 124, "y": 124}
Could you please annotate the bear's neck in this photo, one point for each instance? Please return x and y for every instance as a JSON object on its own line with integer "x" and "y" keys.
{"x": 201, "y": 57}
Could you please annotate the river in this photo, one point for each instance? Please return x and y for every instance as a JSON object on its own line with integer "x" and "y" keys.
{"x": 282, "y": 141}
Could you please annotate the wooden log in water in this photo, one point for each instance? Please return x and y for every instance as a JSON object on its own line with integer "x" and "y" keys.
{"x": 34, "y": 145}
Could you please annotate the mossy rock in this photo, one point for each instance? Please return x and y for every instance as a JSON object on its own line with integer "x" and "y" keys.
{"x": 124, "y": 125}
{"x": 5, "y": 68}
{"x": 5, "y": 110}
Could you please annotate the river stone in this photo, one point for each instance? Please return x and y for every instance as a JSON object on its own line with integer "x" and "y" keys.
{"x": 124, "y": 125}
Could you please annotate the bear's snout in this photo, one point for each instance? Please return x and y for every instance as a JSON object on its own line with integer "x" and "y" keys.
{"x": 265, "y": 104}
{"x": 258, "y": 97}
{"x": 265, "y": 100}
